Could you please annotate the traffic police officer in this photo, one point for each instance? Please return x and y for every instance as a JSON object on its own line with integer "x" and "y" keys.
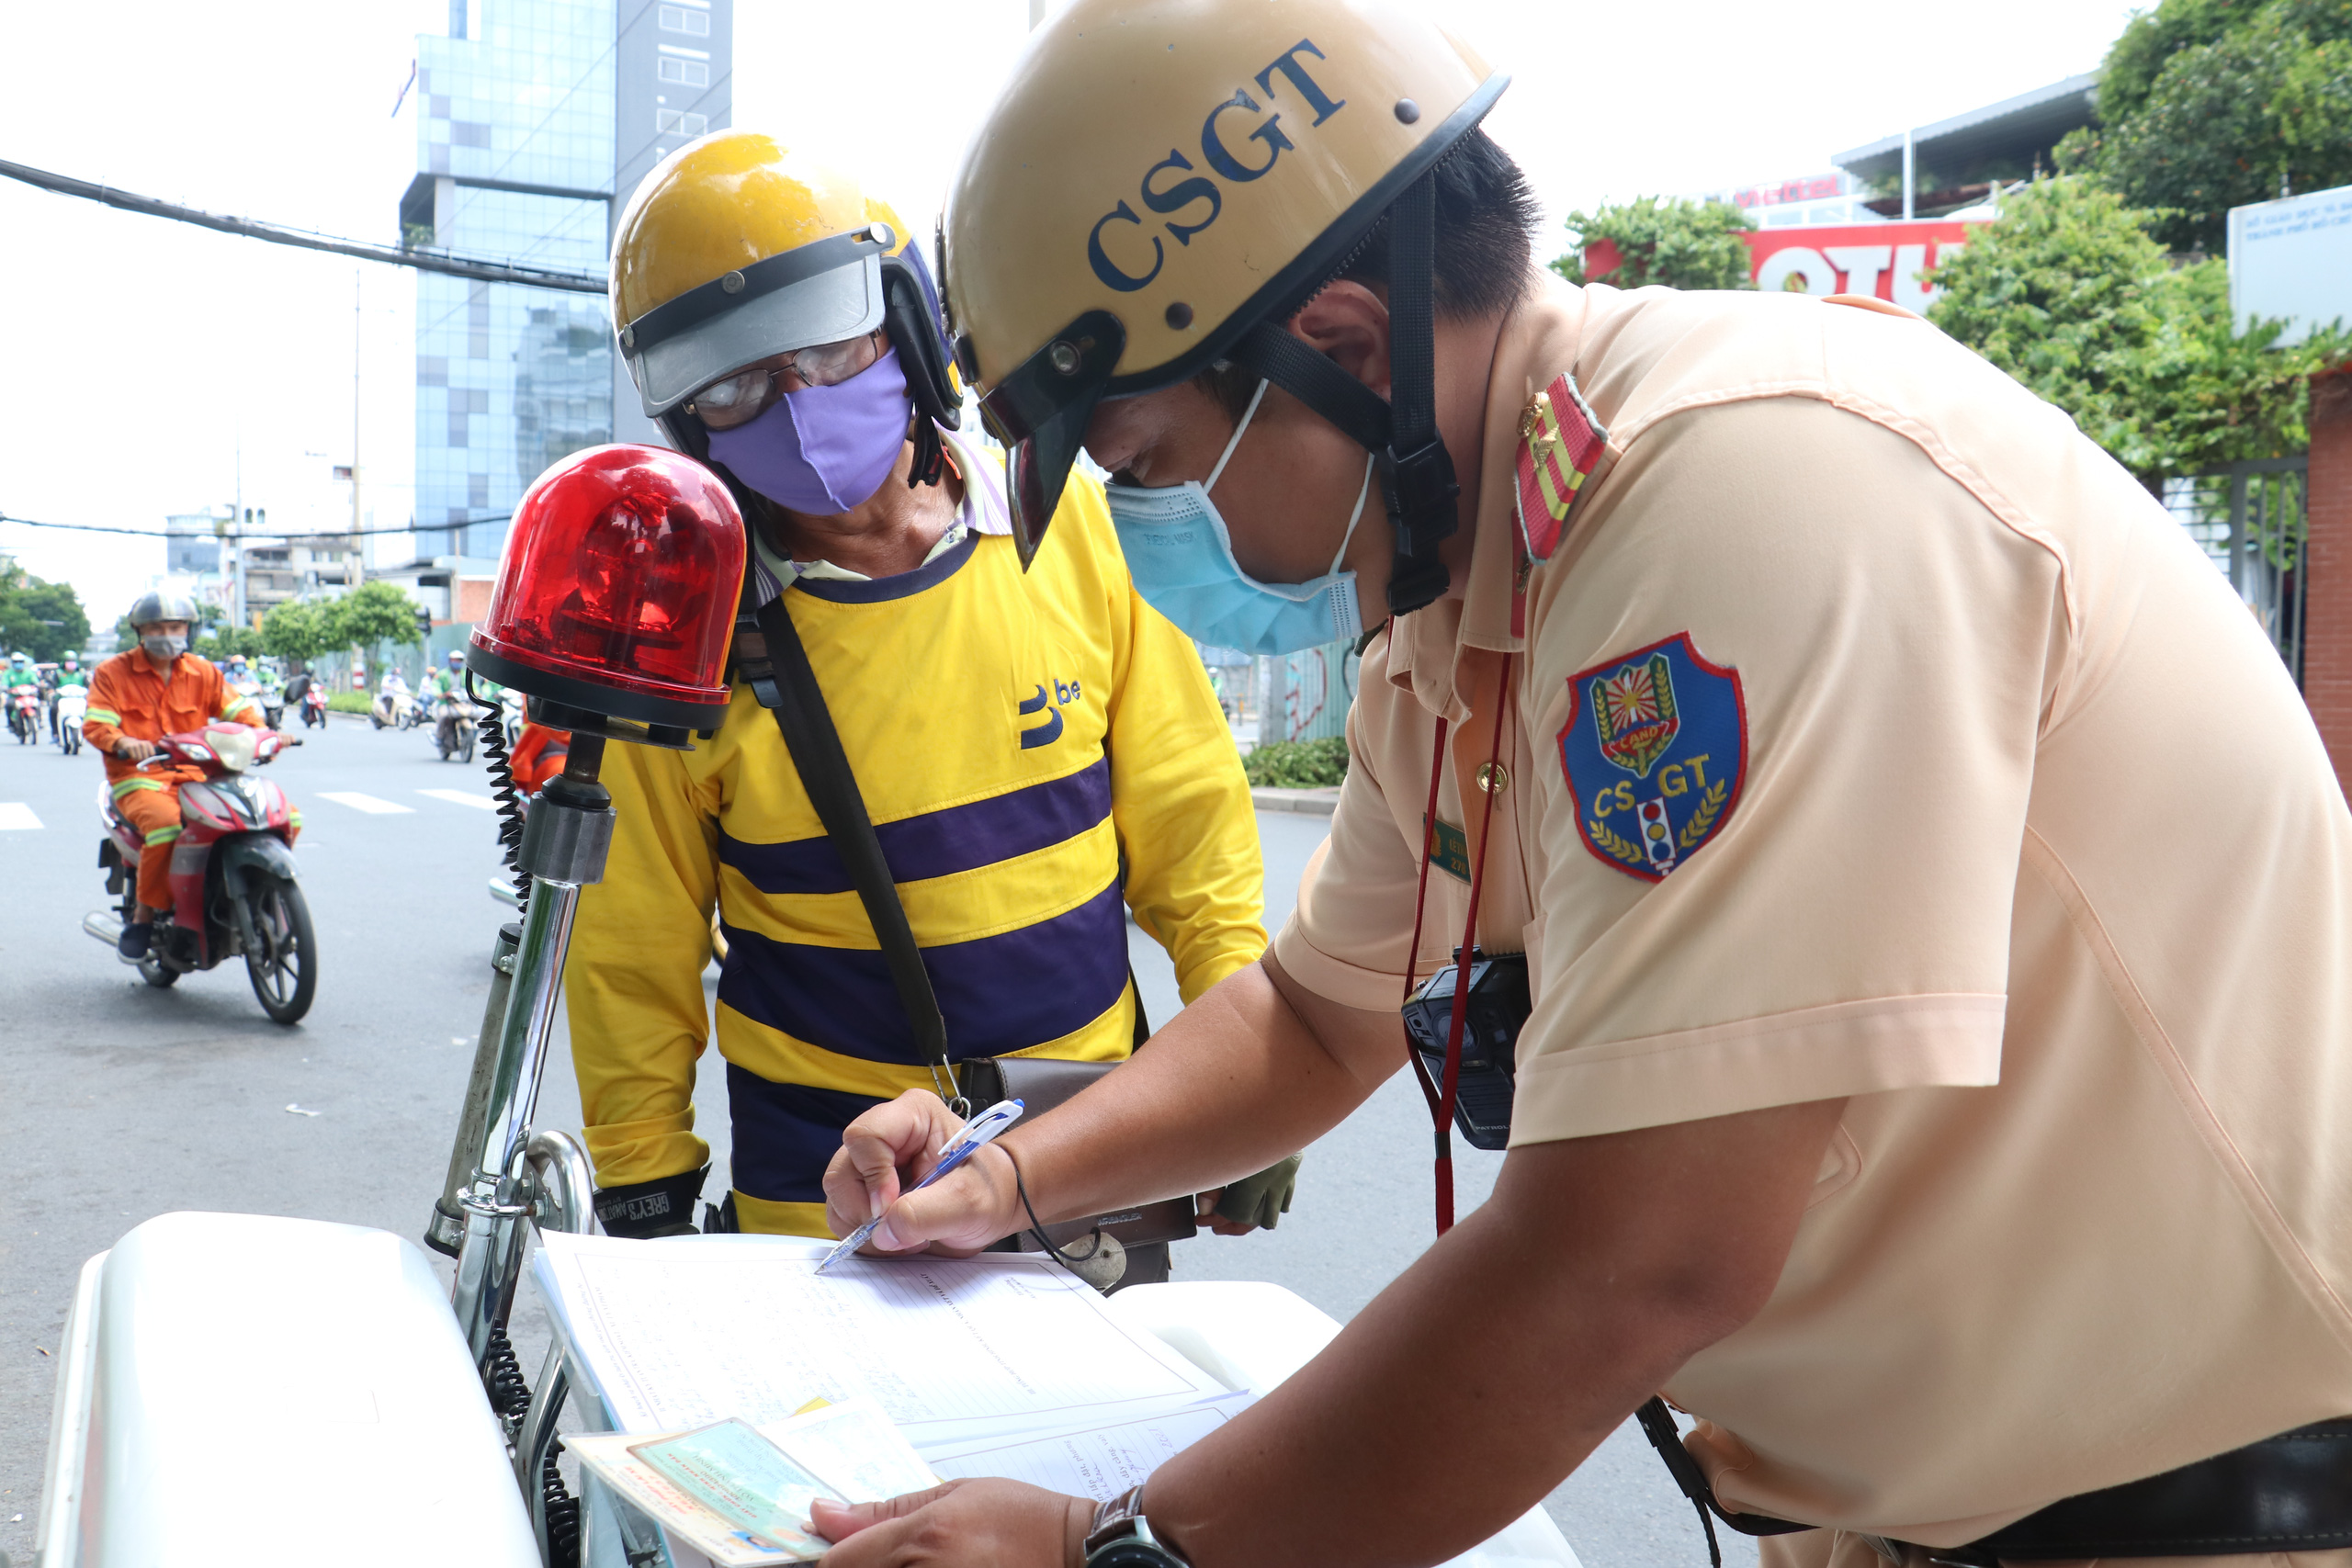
{"x": 1936, "y": 901}
{"x": 1040, "y": 755}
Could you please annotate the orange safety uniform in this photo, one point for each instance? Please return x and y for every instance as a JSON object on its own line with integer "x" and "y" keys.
{"x": 130, "y": 699}
{"x": 538, "y": 756}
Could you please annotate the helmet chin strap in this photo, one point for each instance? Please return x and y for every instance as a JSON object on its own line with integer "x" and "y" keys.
{"x": 1417, "y": 478}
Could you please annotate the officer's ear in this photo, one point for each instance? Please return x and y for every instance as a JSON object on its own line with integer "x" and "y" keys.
{"x": 1348, "y": 324}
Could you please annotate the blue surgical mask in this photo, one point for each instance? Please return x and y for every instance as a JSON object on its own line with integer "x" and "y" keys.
{"x": 1181, "y": 560}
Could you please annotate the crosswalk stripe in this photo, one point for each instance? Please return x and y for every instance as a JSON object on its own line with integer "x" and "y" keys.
{"x": 16, "y": 813}
{"x": 462, "y": 798}
{"x": 367, "y": 803}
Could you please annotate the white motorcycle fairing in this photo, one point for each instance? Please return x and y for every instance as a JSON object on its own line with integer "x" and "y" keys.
{"x": 238, "y": 1389}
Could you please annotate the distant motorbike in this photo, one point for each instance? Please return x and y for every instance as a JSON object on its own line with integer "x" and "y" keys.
{"x": 396, "y": 710}
{"x": 72, "y": 700}
{"x": 233, "y": 874}
{"x": 308, "y": 697}
{"x": 454, "y": 727}
{"x": 24, "y": 713}
{"x": 272, "y": 703}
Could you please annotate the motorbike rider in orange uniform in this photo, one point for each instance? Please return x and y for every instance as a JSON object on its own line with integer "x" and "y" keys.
{"x": 538, "y": 756}
{"x": 136, "y": 698}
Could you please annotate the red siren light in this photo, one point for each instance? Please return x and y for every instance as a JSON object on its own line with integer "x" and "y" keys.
{"x": 616, "y": 593}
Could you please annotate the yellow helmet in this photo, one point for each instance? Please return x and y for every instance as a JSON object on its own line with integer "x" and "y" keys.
{"x": 736, "y": 248}
{"x": 1160, "y": 177}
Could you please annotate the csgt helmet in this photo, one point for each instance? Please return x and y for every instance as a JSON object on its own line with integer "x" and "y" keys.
{"x": 736, "y": 248}
{"x": 1159, "y": 179}
{"x": 161, "y": 604}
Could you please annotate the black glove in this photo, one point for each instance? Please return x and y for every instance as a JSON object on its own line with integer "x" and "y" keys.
{"x": 644, "y": 1210}
{"x": 1264, "y": 1198}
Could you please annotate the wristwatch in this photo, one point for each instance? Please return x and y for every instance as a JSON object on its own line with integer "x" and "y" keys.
{"x": 1122, "y": 1538}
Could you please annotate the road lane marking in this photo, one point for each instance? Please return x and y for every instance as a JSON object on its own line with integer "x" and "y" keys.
{"x": 461, "y": 797}
{"x": 367, "y": 803}
{"x": 16, "y": 813}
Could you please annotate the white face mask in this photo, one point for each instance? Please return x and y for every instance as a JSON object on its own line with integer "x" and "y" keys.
{"x": 1181, "y": 556}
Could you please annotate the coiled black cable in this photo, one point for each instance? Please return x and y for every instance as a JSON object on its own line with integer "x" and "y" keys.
{"x": 510, "y": 1396}
{"x": 510, "y": 1401}
{"x": 504, "y": 792}
{"x": 562, "y": 1512}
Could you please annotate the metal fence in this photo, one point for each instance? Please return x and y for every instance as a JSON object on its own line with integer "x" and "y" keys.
{"x": 2250, "y": 520}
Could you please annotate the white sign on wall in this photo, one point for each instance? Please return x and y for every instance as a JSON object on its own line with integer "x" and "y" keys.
{"x": 2292, "y": 260}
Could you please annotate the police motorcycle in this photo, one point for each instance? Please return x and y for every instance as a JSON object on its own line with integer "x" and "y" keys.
{"x": 200, "y": 1343}
{"x": 234, "y": 880}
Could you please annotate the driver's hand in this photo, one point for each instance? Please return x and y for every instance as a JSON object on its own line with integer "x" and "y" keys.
{"x": 131, "y": 751}
{"x": 894, "y": 1146}
{"x": 972, "y": 1524}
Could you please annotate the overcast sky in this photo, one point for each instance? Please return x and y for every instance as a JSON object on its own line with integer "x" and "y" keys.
{"x": 151, "y": 368}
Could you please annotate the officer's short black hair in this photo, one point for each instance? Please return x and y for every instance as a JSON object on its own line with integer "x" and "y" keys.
{"x": 1486, "y": 255}
{"x": 1486, "y": 223}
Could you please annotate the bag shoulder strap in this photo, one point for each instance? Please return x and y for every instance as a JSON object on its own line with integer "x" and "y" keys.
{"x": 782, "y": 678}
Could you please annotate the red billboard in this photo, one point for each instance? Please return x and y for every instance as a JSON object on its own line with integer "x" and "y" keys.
{"x": 1889, "y": 260}
{"x": 1892, "y": 260}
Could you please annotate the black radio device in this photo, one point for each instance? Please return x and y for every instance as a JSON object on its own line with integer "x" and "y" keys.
{"x": 1497, "y": 1007}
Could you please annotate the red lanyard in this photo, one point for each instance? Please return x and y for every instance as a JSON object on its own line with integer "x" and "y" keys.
{"x": 1440, "y": 1096}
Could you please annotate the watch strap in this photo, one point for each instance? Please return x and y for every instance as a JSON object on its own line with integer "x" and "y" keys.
{"x": 1119, "y": 1521}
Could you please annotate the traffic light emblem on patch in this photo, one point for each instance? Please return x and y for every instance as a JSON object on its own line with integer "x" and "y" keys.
{"x": 1559, "y": 441}
{"x": 1655, "y": 754}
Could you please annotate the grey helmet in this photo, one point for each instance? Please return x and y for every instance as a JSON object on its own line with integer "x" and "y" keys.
{"x": 159, "y": 605}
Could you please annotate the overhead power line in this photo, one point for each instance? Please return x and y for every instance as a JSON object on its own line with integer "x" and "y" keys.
{"x": 257, "y": 534}
{"x": 278, "y": 234}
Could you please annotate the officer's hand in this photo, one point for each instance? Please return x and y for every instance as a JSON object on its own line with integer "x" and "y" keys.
{"x": 893, "y": 1146}
{"x": 1251, "y": 1203}
{"x": 971, "y": 1523}
{"x": 131, "y": 751}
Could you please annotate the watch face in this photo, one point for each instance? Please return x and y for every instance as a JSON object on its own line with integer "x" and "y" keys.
{"x": 1132, "y": 1554}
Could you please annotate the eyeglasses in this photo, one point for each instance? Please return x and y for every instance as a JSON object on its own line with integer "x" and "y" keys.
{"x": 741, "y": 398}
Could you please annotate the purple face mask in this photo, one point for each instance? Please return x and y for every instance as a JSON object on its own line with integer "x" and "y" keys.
{"x": 823, "y": 449}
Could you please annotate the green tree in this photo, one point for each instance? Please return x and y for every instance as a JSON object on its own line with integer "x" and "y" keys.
{"x": 296, "y": 630}
{"x": 2208, "y": 105}
{"x": 2069, "y": 294}
{"x": 1676, "y": 241}
{"x": 371, "y": 616}
{"x": 44, "y": 619}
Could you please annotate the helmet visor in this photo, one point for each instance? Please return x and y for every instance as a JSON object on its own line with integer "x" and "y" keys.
{"x": 1040, "y": 412}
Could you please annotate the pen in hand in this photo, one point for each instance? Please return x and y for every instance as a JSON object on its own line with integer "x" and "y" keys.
{"x": 968, "y": 1139}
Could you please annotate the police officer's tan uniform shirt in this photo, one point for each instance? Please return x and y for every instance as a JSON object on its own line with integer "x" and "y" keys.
{"x": 2034, "y": 853}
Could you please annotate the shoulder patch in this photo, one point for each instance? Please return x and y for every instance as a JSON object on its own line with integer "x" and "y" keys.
{"x": 1559, "y": 441}
{"x": 1655, "y": 751}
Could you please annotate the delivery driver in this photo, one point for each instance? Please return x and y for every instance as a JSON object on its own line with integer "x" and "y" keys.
{"x": 136, "y": 698}
{"x": 1015, "y": 739}
{"x": 1936, "y": 901}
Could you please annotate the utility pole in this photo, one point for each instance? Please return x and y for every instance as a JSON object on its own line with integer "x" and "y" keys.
{"x": 1907, "y": 176}
{"x": 351, "y": 572}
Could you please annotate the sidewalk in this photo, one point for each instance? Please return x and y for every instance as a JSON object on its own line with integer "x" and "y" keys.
{"x": 1314, "y": 802}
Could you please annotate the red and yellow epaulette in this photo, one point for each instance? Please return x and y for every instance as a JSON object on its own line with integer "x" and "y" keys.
{"x": 1559, "y": 443}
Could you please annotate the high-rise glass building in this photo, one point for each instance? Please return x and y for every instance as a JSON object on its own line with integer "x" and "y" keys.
{"x": 536, "y": 120}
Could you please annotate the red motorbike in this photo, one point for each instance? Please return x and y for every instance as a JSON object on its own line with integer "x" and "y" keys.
{"x": 234, "y": 876}
{"x": 24, "y": 713}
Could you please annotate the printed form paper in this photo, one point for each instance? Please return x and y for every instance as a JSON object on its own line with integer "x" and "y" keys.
{"x": 681, "y": 1335}
{"x": 1098, "y": 1462}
